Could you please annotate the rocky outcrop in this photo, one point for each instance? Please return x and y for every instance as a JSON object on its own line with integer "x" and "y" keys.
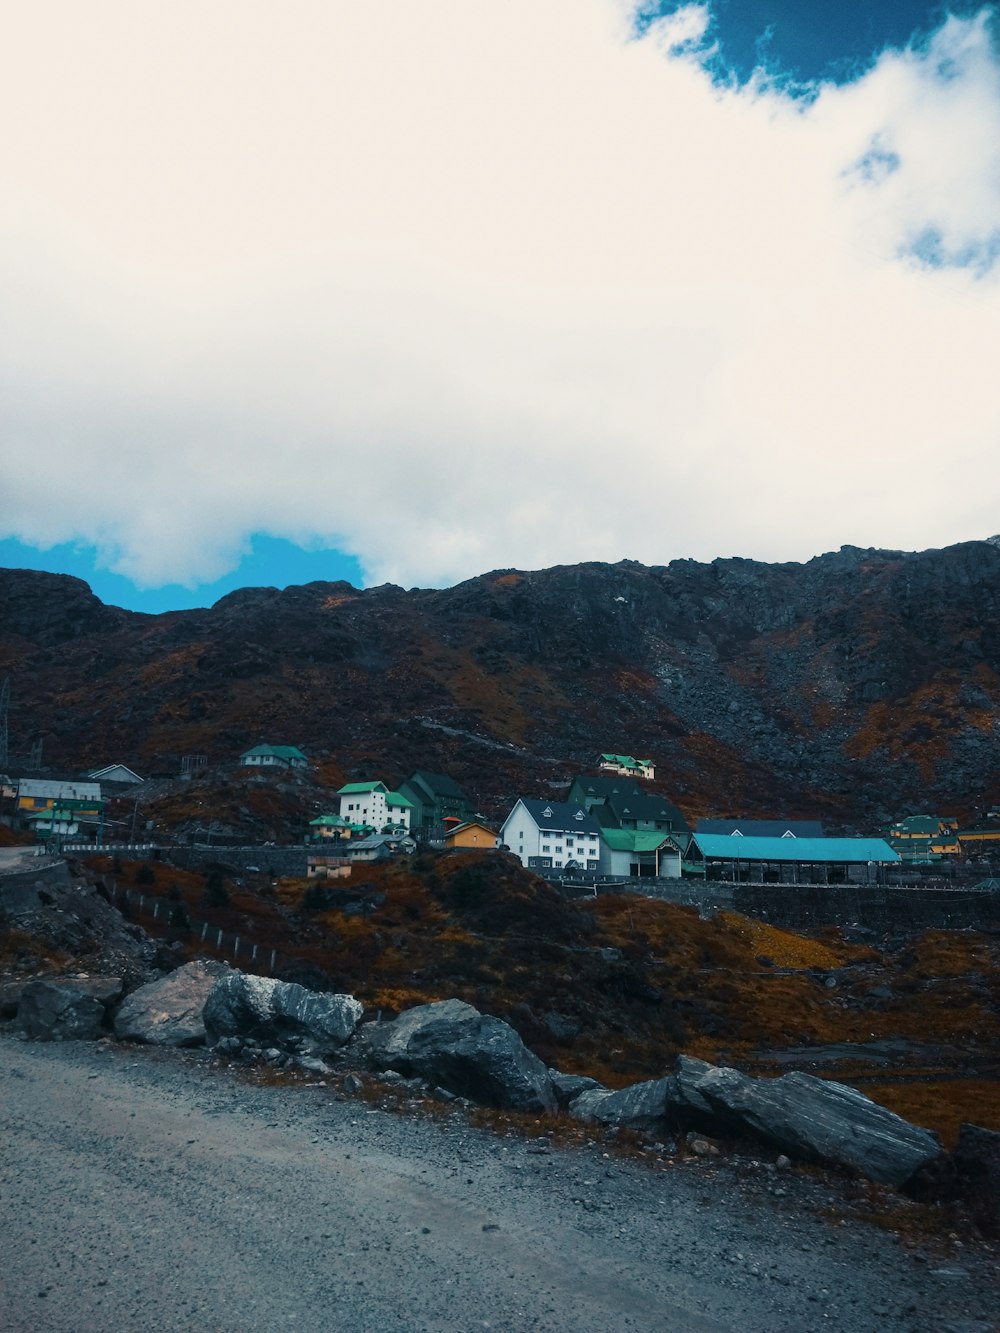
{"x": 568, "y": 1087}
{"x": 67, "y": 1008}
{"x": 808, "y": 1118}
{"x": 80, "y": 923}
{"x": 452, "y": 1045}
{"x": 169, "y": 1012}
{"x": 977, "y": 1171}
{"x": 642, "y": 1106}
{"x": 279, "y": 1013}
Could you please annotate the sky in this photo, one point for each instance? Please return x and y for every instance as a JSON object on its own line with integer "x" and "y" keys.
{"x": 409, "y": 292}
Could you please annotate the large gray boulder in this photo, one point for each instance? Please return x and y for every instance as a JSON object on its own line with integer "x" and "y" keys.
{"x": 67, "y": 1008}
{"x": 569, "y": 1086}
{"x": 455, "y": 1047}
{"x": 279, "y": 1013}
{"x": 810, "y": 1118}
{"x": 169, "y": 1012}
{"x": 977, "y": 1166}
{"x": 642, "y": 1106}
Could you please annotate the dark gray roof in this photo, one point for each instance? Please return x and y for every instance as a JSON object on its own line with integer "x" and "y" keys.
{"x": 763, "y": 828}
{"x": 560, "y": 815}
{"x": 435, "y": 784}
{"x": 646, "y": 805}
{"x": 605, "y": 785}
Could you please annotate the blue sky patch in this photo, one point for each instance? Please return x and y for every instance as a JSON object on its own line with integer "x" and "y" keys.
{"x": 272, "y": 562}
{"x": 802, "y": 41}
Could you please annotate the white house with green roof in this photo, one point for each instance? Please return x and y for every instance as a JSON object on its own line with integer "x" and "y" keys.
{"x": 640, "y": 852}
{"x": 274, "y": 756}
{"x": 374, "y": 804}
{"x": 626, "y": 765}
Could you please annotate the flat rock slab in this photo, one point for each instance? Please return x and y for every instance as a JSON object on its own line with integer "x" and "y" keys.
{"x": 169, "y": 1012}
{"x": 455, "y": 1047}
{"x": 810, "y": 1118}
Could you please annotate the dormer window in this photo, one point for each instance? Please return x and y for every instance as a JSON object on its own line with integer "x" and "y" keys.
{"x": 578, "y": 815}
{"x": 547, "y": 812}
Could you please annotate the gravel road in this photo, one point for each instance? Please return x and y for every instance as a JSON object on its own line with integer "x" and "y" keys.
{"x": 145, "y": 1190}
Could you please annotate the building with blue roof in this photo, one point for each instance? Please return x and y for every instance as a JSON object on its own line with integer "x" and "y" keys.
{"x": 791, "y": 860}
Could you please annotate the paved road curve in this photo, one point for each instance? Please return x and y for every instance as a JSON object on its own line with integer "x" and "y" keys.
{"x": 144, "y": 1191}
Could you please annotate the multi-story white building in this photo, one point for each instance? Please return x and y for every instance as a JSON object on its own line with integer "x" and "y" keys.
{"x": 551, "y": 835}
{"x": 372, "y": 803}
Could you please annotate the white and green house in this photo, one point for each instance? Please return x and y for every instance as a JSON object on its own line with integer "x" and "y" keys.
{"x": 372, "y": 803}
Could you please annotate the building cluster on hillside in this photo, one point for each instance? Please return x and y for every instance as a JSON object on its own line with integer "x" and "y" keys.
{"x": 609, "y": 823}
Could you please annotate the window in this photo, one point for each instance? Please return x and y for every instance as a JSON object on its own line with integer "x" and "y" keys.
{"x": 546, "y": 847}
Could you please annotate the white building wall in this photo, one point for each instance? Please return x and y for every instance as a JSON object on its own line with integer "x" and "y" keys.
{"x": 557, "y": 846}
{"x": 365, "y": 807}
{"x": 399, "y": 814}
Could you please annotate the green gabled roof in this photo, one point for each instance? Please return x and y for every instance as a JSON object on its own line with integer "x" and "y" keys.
{"x": 281, "y": 751}
{"x": 334, "y": 820}
{"x": 634, "y": 840}
{"x": 359, "y": 788}
{"x": 627, "y": 760}
{"x": 918, "y": 824}
{"x": 394, "y": 798}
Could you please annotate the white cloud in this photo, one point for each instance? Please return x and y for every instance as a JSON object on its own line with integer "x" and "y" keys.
{"x": 461, "y": 285}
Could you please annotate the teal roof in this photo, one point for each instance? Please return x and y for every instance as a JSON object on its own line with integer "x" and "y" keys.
{"x": 359, "y": 788}
{"x": 917, "y": 824}
{"x": 723, "y": 847}
{"x": 626, "y": 760}
{"x": 394, "y": 798}
{"x": 335, "y": 820}
{"x": 281, "y": 751}
{"x": 634, "y": 840}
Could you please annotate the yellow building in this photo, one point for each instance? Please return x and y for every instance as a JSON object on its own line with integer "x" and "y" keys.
{"x": 470, "y": 835}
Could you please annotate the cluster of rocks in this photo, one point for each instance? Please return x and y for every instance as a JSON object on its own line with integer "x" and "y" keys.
{"x": 460, "y": 1054}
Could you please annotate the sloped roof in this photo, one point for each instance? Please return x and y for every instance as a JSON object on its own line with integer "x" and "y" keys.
{"x": 394, "y": 798}
{"x": 279, "y": 751}
{"x": 724, "y": 847}
{"x": 359, "y": 788}
{"x": 107, "y": 771}
{"x": 763, "y": 828}
{"x": 927, "y": 824}
{"x": 435, "y": 784}
{"x": 328, "y": 820}
{"x": 627, "y": 760}
{"x": 560, "y": 816}
{"x": 607, "y": 784}
{"x": 636, "y": 840}
{"x": 645, "y": 805}
{"x": 470, "y": 823}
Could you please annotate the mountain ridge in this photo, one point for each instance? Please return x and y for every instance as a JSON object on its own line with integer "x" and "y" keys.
{"x": 850, "y": 686}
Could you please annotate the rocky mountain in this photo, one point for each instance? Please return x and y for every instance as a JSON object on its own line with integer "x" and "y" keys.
{"x": 855, "y": 686}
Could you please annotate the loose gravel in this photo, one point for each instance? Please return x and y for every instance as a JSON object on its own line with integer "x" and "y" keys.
{"x": 154, "y": 1190}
